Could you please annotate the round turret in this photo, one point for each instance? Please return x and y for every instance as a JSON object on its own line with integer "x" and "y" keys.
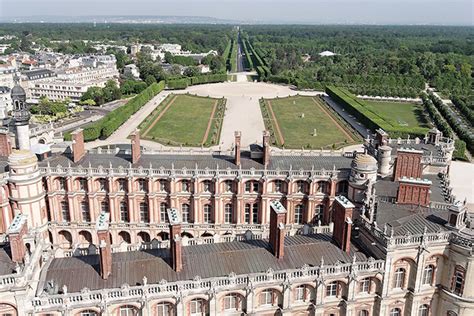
{"x": 385, "y": 156}
{"x": 363, "y": 171}
{"x": 18, "y": 93}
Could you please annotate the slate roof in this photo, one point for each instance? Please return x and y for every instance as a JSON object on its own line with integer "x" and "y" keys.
{"x": 427, "y": 149}
{"x": 210, "y": 260}
{"x": 6, "y": 263}
{"x": 179, "y": 161}
{"x": 409, "y": 219}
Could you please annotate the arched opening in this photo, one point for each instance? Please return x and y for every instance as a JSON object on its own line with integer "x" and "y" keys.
{"x": 7, "y": 310}
{"x": 164, "y": 309}
{"x": 125, "y": 237}
{"x": 143, "y": 237}
{"x": 163, "y": 236}
{"x": 85, "y": 238}
{"x": 207, "y": 235}
{"x": 128, "y": 310}
{"x": 232, "y": 302}
{"x": 186, "y": 234}
{"x": 65, "y": 239}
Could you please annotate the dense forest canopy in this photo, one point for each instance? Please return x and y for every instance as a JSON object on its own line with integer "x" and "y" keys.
{"x": 380, "y": 60}
{"x": 196, "y": 38}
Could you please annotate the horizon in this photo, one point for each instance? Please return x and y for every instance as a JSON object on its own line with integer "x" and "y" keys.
{"x": 304, "y": 12}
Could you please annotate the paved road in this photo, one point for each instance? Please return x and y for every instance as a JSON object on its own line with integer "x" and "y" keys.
{"x": 359, "y": 127}
{"x": 240, "y": 58}
{"x": 461, "y": 175}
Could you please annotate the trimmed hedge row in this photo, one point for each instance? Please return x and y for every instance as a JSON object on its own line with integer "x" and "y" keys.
{"x": 369, "y": 118}
{"x": 183, "y": 83}
{"x": 107, "y": 125}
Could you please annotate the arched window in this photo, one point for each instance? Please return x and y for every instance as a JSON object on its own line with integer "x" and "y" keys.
{"x": 251, "y": 186}
{"x": 207, "y": 214}
{"x": 82, "y": 184}
{"x": 300, "y": 186}
{"x": 363, "y": 313}
{"x": 399, "y": 278}
{"x": 318, "y": 214}
{"x": 232, "y": 302}
{"x": 102, "y": 185}
{"x": 125, "y": 237}
{"x": 299, "y": 209}
{"x": 228, "y": 186}
{"x": 164, "y": 309}
{"x": 124, "y": 216}
{"x": 66, "y": 216}
{"x": 104, "y": 206}
{"x": 278, "y": 186}
{"x": 322, "y": 187}
{"x": 364, "y": 285}
{"x": 128, "y": 310}
{"x": 428, "y": 272}
{"x": 268, "y": 297}
{"x": 185, "y": 186}
{"x": 88, "y": 313}
{"x": 141, "y": 185}
{"x": 163, "y": 185}
{"x": 228, "y": 213}
{"x": 62, "y": 184}
{"x": 424, "y": 310}
{"x": 86, "y": 215}
{"x": 207, "y": 186}
{"x": 302, "y": 293}
{"x": 185, "y": 212}
{"x": 332, "y": 289}
{"x": 395, "y": 312}
{"x": 163, "y": 216}
{"x": 197, "y": 307}
{"x": 458, "y": 280}
{"x": 451, "y": 313}
{"x": 144, "y": 214}
{"x": 122, "y": 185}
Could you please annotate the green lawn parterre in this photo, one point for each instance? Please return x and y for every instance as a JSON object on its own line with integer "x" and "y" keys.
{"x": 297, "y": 131}
{"x": 398, "y": 119}
{"x": 185, "y": 121}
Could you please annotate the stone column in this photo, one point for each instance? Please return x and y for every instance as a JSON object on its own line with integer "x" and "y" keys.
{"x": 250, "y": 300}
{"x": 179, "y": 307}
{"x": 212, "y": 304}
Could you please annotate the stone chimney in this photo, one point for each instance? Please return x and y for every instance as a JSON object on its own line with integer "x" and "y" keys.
{"x": 381, "y": 137}
{"x": 414, "y": 191}
{"x": 136, "y": 152}
{"x": 408, "y": 163}
{"x": 238, "y": 136}
{"x": 105, "y": 251}
{"x": 17, "y": 230}
{"x": 277, "y": 228}
{"x": 343, "y": 222}
{"x": 384, "y": 157}
{"x": 78, "y": 150}
{"x": 175, "y": 239}
{"x": 266, "y": 148}
{"x": 5, "y": 143}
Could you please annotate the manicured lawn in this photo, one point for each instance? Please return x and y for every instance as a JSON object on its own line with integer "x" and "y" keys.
{"x": 297, "y": 131}
{"x": 398, "y": 114}
{"x": 181, "y": 120}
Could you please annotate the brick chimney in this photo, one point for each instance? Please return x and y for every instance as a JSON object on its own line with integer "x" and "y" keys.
{"x": 78, "y": 150}
{"x": 266, "y": 148}
{"x": 5, "y": 144}
{"x": 136, "y": 152}
{"x": 381, "y": 137}
{"x": 408, "y": 163}
{"x": 105, "y": 252}
{"x": 17, "y": 230}
{"x": 175, "y": 239}
{"x": 238, "y": 136}
{"x": 277, "y": 228}
{"x": 414, "y": 191}
{"x": 342, "y": 222}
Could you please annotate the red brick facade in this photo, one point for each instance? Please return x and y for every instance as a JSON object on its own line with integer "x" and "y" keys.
{"x": 136, "y": 153}
{"x": 5, "y": 144}
{"x": 176, "y": 247}
{"x": 78, "y": 150}
{"x": 408, "y": 164}
{"x": 416, "y": 193}
{"x": 342, "y": 225}
{"x": 17, "y": 244}
{"x": 105, "y": 252}
{"x": 277, "y": 232}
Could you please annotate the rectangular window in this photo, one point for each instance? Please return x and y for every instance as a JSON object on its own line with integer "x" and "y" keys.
{"x": 83, "y": 184}
{"x": 144, "y": 215}
{"x": 255, "y": 213}
{"x": 247, "y": 214}
{"x": 365, "y": 285}
{"x": 163, "y": 213}
{"x": 185, "y": 186}
{"x": 124, "y": 212}
{"x": 86, "y": 216}
{"x": 300, "y": 293}
{"x": 331, "y": 289}
{"x": 228, "y": 213}
{"x": 185, "y": 213}
{"x": 65, "y": 212}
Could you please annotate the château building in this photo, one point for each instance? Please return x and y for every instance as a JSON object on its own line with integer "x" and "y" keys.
{"x": 127, "y": 231}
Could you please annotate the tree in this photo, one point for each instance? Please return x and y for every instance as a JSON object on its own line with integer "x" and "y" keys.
{"x": 192, "y": 72}
{"x": 149, "y": 80}
{"x": 94, "y": 93}
{"x": 111, "y": 91}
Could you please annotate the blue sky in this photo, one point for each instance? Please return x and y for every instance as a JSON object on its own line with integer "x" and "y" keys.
{"x": 280, "y": 11}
